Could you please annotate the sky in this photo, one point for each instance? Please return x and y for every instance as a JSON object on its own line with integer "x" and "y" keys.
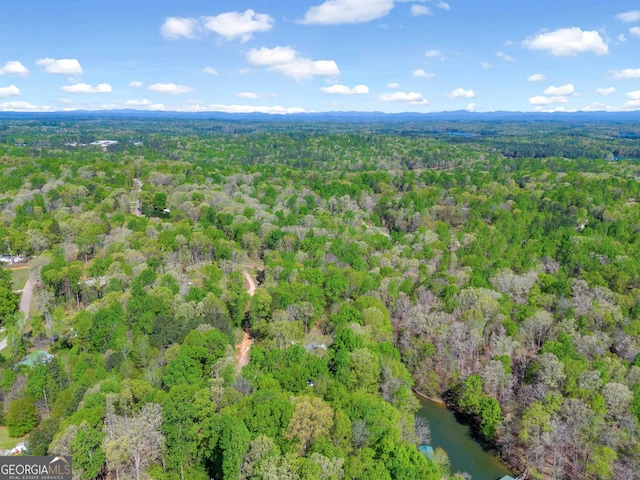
{"x": 290, "y": 56}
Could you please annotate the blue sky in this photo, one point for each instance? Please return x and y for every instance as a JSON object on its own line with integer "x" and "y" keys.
{"x": 309, "y": 55}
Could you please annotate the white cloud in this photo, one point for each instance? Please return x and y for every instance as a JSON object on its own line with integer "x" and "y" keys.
{"x": 14, "y": 68}
{"x": 10, "y": 91}
{"x": 418, "y": 10}
{"x": 286, "y": 61}
{"x": 62, "y": 66}
{"x": 333, "y": 12}
{"x": 471, "y": 107}
{"x": 170, "y": 88}
{"x": 23, "y": 107}
{"x": 462, "y": 93}
{"x": 254, "y": 95}
{"x": 237, "y": 25}
{"x": 210, "y": 71}
{"x": 138, "y": 103}
{"x": 628, "y": 17}
{"x": 303, "y": 68}
{"x": 433, "y": 54}
{"x": 542, "y": 100}
{"x": 135, "y": 84}
{"x": 505, "y": 57}
{"x": 412, "y": 98}
{"x": 566, "y": 42}
{"x": 338, "y": 89}
{"x": 562, "y": 90}
{"x": 635, "y": 95}
{"x": 249, "y": 95}
{"x": 271, "y": 56}
{"x": 622, "y": 38}
{"x": 420, "y": 73}
{"x": 392, "y": 85}
{"x": 86, "y": 88}
{"x": 444, "y": 5}
{"x": 605, "y": 92}
{"x": 536, "y": 77}
{"x": 275, "y": 110}
{"x": 485, "y": 65}
{"x": 627, "y": 73}
{"x": 635, "y": 31}
{"x": 539, "y": 100}
{"x": 177, "y": 27}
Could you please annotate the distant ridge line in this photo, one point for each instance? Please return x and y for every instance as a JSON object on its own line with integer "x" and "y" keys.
{"x": 338, "y": 116}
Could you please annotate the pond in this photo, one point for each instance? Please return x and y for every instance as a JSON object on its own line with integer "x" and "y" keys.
{"x": 465, "y": 453}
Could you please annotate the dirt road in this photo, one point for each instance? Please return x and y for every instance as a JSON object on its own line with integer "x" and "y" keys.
{"x": 242, "y": 349}
{"x": 27, "y": 295}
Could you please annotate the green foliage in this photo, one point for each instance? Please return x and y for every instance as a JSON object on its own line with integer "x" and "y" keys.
{"x": 22, "y": 416}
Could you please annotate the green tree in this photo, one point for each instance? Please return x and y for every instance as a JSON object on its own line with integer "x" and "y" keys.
{"x": 312, "y": 419}
{"x": 22, "y": 416}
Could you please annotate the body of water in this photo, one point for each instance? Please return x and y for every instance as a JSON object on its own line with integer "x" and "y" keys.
{"x": 465, "y": 453}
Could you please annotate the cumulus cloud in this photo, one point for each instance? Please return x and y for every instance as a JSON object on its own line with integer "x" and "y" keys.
{"x": 62, "y": 66}
{"x": 23, "y": 107}
{"x": 539, "y": 100}
{"x": 562, "y": 90}
{"x": 271, "y": 56}
{"x": 568, "y": 42}
{"x": 86, "y": 88}
{"x": 392, "y": 85}
{"x": 249, "y": 95}
{"x": 210, "y": 71}
{"x": 627, "y": 73}
{"x": 138, "y": 103}
{"x": 197, "y": 107}
{"x": 275, "y": 110}
{"x": 433, "y": 54}
{"x": 338, "y": 89}
{"x": 605, "y": 92}
{"x": 635, "y": 31}
{"x": 419, "y": 10}
{"x": 536, "y": 77}
{"x": 170, "y": 88}
{"x": 287, "y": 61}
{"x": 444, "y": 5}
{"x": 628, "y": 17}
{"x": 347, "y": 11}
{"x": 239, "y": 25}
{"x": 10, "y": 91}
{"x": 485, "y": 65}
{"x": 505, "y": 57}
{"x": 135, "y": 84}
{"x": 14, "y": 68}
{"x": 471, "y": 107}
{"x": 634, "y": 100}
{"x": 462, "y": 93}
{"x": 174, "y": 28}
{"x": 543, "y": 100}
{"x": 420, "y": 73}
{"x": 254, "y": 95}
{"x": 412, "y": 98}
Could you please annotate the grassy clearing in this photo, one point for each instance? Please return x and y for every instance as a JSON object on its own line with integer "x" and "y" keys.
{"x": 6, "y": 441}
{"x": 19, "y": 277}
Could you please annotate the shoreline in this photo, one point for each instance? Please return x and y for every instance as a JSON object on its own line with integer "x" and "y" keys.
{"x": 436, "y": 400}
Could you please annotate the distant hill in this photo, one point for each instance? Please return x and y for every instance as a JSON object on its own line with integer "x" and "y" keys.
{"x": 347, "y": 117}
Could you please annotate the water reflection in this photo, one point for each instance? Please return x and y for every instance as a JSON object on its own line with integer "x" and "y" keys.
{"x": 465, "y": 453}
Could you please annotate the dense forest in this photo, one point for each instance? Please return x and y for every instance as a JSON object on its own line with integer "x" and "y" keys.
{"x": 494, "y": 265}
